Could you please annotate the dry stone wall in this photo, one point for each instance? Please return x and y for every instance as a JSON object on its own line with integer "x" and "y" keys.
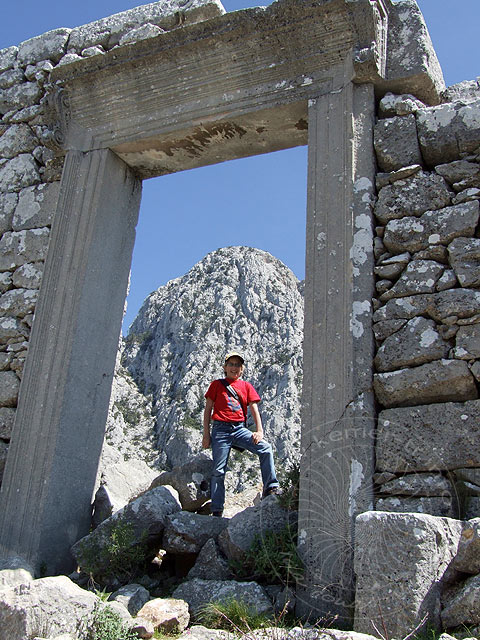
{"x": 427, "y": 309}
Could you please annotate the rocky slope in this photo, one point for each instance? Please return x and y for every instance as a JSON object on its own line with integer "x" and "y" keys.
{"x": 235, "y": 298}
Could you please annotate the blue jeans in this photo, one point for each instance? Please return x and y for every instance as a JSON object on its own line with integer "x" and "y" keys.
{"x": 224, "y": 436}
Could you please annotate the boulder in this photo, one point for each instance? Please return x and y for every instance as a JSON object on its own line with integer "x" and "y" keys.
{"x": 187, "y": 532}
{"x": 466, "y": 91}
{"x": 131, "y": 596}
{"x": 467, "y": 559}
{"x": 438, "y": 381}
{"x": 435, "y": 506}
{"x": 400, "y": 560}
{"x": 46, "y": 607}
{"x": 210, "y": 564}
{"x": 247, "y": 525}
{"x": 464, "y": 256}
{"x": 412, "y": 197}
{"x": 463, "y": 608}
{"x": 448, "y": 280}
{"x": 191, "y": 480}
{"x": 199, "y": 632}
{"x": 199, "y": 593}
{"x": 432, "y": 227}
{"x": 393, "y": 266}
{"x": 448, "y": 130}
{"x": 420, "y": 276}
{"x": 8, "y": 58}
{"x": 405, "y": 436}
{"x": 396, "y": 143}
{"x": 169, "y": 615}
{"x": 14, "y": 571}
{"x": 416, "y": 343}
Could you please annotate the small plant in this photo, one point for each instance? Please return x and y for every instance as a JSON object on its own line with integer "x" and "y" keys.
{"x": 272, "y": 558}
{"x": 290, "y": 483}
{"x": 105, "y": 624}
{"x": 232, "y": 615}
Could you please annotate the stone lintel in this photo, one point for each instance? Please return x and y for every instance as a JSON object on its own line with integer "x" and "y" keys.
{"x": 337, "y": 403}
{"x": 58, "y": 434}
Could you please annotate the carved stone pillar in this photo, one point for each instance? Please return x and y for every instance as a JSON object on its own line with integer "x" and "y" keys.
{"x": 338, "y": 436}
{"x": 58, "y": 434}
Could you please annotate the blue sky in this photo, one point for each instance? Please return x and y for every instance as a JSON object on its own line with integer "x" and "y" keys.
{"x": 257, "y": 201}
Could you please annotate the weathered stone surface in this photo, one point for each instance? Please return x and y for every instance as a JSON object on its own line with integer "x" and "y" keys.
{"x": 418, "y": 484}
{"x": 93, "y": 51}
{"x": 467, "y": 342}
{"x": 242, "y": 529}
{"x": 198, "y": 593}
{"x": 19, "y": 96}
{"x": 169, "y": 615}
{"x": 191, "y": 480}
{"x": 9, "y": 386}
{"x": 416, "y": 343}
{"x": 187, "y": 532}
{"x": 469, "y": 475}
{"x": 18, "y": 302}
{"x": 412, "y": 197}
{"x": 458, "y": 170}
{"x": 443, "y": 507}
{"x": 467, "y": 558}
{"x": 210, "y": 564}
{"x": 466, "y": 91}
{"x": 400, "y": 559}
{"x": 132, "y": 596}
{"x": 7, "y": 418}
{"x": 471, "y": 507}
{"x": 420, "y": 276}
{"x": 385, "y": 328}
{"x": 447, "y": 131}
{"x": 3, "y": 457}
{"x": 28, "y": 114}
{"x": 108, "y": 31}
{"x": 19, "y": 247}
{"x": 383, "y": 179}
{"x": 435, "y": 252}
{"x": 405, "y": 436}
{"x": 143, "y": 628}
{"x": 52, "y": 605}
{"x": 8, "y": 203}
{"x": 396, "y": 143}
{"x": 17, "y": 139}
{"x": 8, "y": 57}
{"x": 28, "y": 276}
{"x": 5, "y": 281}
{"x": 394, "y": 105}
{"x": 36, "y": 206}
{"x": 466, "y": 196}
{"x": 439, "y": 381}
{"x": 448, "y": 280}
{"x": 48, "y": 46}
{"x": 141, "y": 33}
{"x": 14, "y": 571}
{"x": 465, "y": 260}
{"x": 464, "y": 607}
{"x": 433, "y": 227}
{"x": 392, "y": 267}
{"x": 12, "y": 328}
{"x": 11, "y": 77}
{"x": 19, "y": 172}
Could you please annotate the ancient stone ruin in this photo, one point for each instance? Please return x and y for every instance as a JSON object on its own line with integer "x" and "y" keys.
{"x": 392, "y": 306}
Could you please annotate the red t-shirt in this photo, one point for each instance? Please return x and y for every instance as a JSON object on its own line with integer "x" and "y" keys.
{"x": 225, "y": 407}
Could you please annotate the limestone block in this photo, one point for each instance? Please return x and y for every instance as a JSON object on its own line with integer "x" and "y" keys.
{"x": 392, "y": 267}
{"x": 141, "y": 33}
{"x": 56, "y": 605}
{"x": 382, "y": 286}
{"x": 412, "y": 197}
{"x": 68, "y": 58}
{"x": 466, "y": 196}
{"x": 5, "y": 281}
{"x": 28, "y": 276}
{"x": 187, "y": 532}
{"x": 12, "y": 328}
{"x": 464, "y": 607}
{"x": 8, "y": 58}
{"x": 462, "y": 303}
{"x": 443, "y": 507}
{"x": 396, "y": 143}
{"x": 18, "y": 302}
{"x": 200, "y": 592}
{"x": 17, "y": 139}
{"x": 400, "y": 560}
{"x": 132, "y": 596}
{"x": 169, "y": 615}
{"x": 36, "y": 206}
{"x": 48, "y": 46}
{"x": 210, "y": 564}
{"x": 393, "y": 105}
{"x": 406, "y": 435}
{"x": 20, "y": 96}
{"x": 9, "y": 386}
{"x": 447, "y": 131}
{"x": 108, "y": 31}
{"x": 467, "y": 559}
{"x": 458, "y": 170}
{"x": 93, "y": 51}
{"x": 465, "y": 91}
{"x": 11, "y": 77}
{"x": 448, "y": 280}
{"x": 19, "y": 247}
{"x": 191, "y": 480}
{"x": 439, "y": 381}
{"x": 385, "y": 328}
{"x": 5, "y": 360}
{"x": 8, "y": 202}
{"x": 433, "y": 227}
{"x": 419, "y": 485}
{"x": 18, "y": 173}
{"x": 7, "y": 418}
{"x": 435, "y": 252}
{"x": 465, "y": 260}
{"x": 24, "y": 115}
{"x": 467, "y": 342}
{"x": 420, "y": 276}
{"x": 415, "y": 343}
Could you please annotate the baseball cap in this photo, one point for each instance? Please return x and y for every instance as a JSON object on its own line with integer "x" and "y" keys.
{"x": 234, "y": 353}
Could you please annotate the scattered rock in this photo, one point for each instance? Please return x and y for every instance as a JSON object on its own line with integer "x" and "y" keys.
{"x": 169, "y": 615}
{"x": 210, "y": 564}
{"x": 191, "y": 480}
{"x": 464, "y": 607}
{"x": 132, "y": 597}
{"x": 187, "y": 532}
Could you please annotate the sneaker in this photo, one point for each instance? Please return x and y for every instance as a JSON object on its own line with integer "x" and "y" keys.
{"x": 274, "y": 491}
{"x": 217, "y": 514}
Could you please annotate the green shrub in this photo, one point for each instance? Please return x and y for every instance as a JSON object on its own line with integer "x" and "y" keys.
{"x": 232, "y": 615}
{"x": 105, "y": 624}
{"x": 272, "y": 558}
{"x": 290, "y": 483}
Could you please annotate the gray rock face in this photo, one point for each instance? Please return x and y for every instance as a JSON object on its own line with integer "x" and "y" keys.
{"x": 210, "y": 564}
{"x": 400, "y": 559}
{"x": 405, "y": 437}
{"x": 191, "y": 480}
{"x": 132, "y": 596}
{"x": 461, "y": 303}
{"x": 467, "y": 91}
{"x": 467, "y": 342}
{"x": 19, "y": 247}
{"x": 439, "y": 381}
{"x": 464, "y": 607}
{"x": 235, "y": 298}
{"x": 19, "y": 172}
{"x": 467, "y": 559}
{"x": 443, "y": 507}
{"x": 418, "y": 484}
{"x": 198, "y": 593}
{"x": 394, "y": 105}
{"x": 420, "y": 276}
{"x": 48, "y": 46}
{"x": 464, "y": 256}
{"x": 36, "y": 206}
{"x": 396, "y": 143}
{"x": 17, "y": 139}
{"x": 188, "y": 532}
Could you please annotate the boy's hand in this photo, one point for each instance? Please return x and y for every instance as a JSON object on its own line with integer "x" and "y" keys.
{"x": 206, "y": 441}
{"x": 257, "y": 436}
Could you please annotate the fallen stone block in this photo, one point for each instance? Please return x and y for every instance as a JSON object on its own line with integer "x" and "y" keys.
{"x": 463, "y": 608}
{"x": 210, "y": 564}
{"x": 191, "y": 480}
{"x": 169, "y": 615}
{"x": 187, "y": 532}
